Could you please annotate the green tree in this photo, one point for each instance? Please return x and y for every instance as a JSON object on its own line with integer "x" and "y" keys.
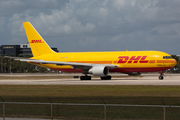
{"x": 1, "y": 64}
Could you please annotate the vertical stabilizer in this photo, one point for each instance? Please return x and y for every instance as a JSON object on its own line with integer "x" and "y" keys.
{"x": 36, "y": 42}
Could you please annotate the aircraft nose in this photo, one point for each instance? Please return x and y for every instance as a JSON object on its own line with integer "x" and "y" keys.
{"x": 173, "y": 62}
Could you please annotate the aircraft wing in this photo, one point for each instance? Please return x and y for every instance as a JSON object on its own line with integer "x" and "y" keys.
{"x": 76, "y": 65}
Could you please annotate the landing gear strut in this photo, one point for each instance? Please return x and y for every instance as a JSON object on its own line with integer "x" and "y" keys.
{"x": 161, "y": 77}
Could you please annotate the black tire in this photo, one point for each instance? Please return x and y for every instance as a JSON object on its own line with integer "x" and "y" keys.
{"x": 82, "y": 78}
{"x": 106, "y": 77}
{"x": 161, "y": 77}
{"x": 85, "y": 77}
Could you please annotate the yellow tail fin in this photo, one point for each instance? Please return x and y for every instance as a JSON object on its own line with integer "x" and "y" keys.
{"x": 36, "y": 42}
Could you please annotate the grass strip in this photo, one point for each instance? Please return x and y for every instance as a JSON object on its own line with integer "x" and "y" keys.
{"x": 111, "y": 94}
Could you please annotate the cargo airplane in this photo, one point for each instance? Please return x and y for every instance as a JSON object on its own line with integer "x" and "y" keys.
{"x": 95, "y": 63}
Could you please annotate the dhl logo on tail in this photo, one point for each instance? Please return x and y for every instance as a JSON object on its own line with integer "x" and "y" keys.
{"x": 133, "y": 59}
{"x": 37, "y": 41}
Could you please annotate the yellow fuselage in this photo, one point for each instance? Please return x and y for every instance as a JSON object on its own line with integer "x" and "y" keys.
{"x": 128, "y": 61}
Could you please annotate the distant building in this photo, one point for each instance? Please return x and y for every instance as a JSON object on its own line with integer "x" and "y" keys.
{"x": 17, "y": 50}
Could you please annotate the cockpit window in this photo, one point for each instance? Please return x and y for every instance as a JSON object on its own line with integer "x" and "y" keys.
{"x": 167, "y": 57}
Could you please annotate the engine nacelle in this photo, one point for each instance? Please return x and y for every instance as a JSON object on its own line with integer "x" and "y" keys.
{"x": 99, "y": 71}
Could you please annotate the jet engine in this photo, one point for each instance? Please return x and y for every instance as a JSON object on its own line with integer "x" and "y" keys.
{"x": 99, "y": 71}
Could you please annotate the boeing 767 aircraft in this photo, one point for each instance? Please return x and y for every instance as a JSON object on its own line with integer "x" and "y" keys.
{"x": 95, "y": 63}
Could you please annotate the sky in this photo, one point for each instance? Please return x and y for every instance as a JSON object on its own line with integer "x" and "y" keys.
{"x": 95, "y": 25}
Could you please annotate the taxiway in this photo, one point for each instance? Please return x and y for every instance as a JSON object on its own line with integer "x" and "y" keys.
{"x": 146, "y": 79}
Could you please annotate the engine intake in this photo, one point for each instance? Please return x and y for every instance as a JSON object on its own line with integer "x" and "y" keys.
{"x": 99, "y": 71}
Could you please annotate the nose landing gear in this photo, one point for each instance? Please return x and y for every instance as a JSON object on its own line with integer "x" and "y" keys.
{"x": 161, "y": 77}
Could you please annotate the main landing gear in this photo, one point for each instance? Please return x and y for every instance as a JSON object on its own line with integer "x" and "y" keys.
{"x": 85, "y": 77}
{"x": 89, "y": 77}
{"x": 106, "y": 77}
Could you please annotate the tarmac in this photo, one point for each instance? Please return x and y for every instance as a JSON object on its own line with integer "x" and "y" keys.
{"x": 144, "y": 79}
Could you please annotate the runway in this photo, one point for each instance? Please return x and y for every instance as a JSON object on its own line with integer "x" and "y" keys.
{"x": 146, "y": 79}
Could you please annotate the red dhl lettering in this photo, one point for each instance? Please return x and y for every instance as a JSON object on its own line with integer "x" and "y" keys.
{"x": 132, "y": 59}
{"x": 37, "y": 41}
{"x": 123, "y": 59}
